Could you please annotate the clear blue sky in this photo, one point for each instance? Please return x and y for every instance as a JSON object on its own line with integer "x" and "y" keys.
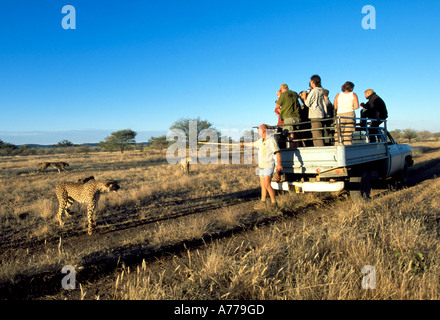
{"x": 144, "y": 64}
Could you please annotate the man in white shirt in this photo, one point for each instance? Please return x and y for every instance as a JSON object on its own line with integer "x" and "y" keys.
{"x": 267, "y": 151}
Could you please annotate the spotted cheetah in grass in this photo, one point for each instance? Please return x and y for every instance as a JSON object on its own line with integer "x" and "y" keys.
{"x": 88, "y": 192}
{"x": 57, "y": 165}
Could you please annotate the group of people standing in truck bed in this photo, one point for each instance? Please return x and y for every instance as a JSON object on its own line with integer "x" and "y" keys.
{"x": 316, "y": 108}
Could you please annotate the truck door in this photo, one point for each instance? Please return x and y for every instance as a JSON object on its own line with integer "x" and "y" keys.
{"x": 394, "y": 156}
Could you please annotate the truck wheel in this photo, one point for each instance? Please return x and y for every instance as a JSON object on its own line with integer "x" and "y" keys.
{"x": 401, "y": 179}
{"x": 360, "y": 187}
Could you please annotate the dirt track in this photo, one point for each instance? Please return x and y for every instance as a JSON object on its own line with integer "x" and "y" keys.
{"x": 94, "y": 267}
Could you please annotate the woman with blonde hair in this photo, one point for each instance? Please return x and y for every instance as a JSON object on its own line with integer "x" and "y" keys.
{"x": 345, "y": 104}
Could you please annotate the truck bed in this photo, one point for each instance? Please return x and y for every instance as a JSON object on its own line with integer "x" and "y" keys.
{"x": 307, "y": 160}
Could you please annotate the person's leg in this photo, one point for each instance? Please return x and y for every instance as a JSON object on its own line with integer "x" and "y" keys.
{"x": 348, "y": 131}
{"x": 317, "y": 134}
{"x": 292, "y": 135}
{"x": 263, "y": 188}
{"x": 268, "y": 187}
{"x": 262, "y": 202}
{"x": 373, "y": 131}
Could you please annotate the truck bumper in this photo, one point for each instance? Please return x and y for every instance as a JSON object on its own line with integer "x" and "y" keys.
{"x": 301, "y": 187}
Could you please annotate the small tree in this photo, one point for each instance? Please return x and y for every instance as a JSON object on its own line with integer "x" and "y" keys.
{"x": 65, "y": 143}
{"x": 158, "y": 142}
{"x": 424, "y": 135}
{"x": 7, "y": 148}
{"x": 119, "y": 140}
{"x": 396, "y": 134}
{"x": 184, "y": 125}
{"x": 409, "y": 134}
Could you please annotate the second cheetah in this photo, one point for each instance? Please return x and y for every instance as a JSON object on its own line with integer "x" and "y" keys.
{"x": 57, "y": 165}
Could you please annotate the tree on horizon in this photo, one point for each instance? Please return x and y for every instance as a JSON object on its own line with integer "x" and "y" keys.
{"x": 119, "y": 140}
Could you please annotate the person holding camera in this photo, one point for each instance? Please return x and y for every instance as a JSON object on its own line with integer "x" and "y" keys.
{"x": 315, "y": 102}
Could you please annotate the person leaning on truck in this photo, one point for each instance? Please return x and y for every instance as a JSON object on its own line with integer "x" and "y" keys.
{"x": 288, "y": 106}
{"x": 377, "y": 110}
{"x": 345, "y": 103}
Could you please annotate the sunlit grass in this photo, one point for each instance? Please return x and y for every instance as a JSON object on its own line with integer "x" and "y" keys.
{"x": 318, "y": 257}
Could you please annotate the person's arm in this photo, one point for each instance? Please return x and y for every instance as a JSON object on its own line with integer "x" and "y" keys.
{"x": 251, "y": 144}
{"x": 303, "y": 96}
{"x": 335, "y": 104}
{"x": 356, "y": 101}
{"x": 279, "y": 166}
{"x": 276, "y": 151}
{"x": 311, "y": 97}
{"x": 279, "y": 102}
{"x": 380, "y": 105}
{"x": 377, "y": 115}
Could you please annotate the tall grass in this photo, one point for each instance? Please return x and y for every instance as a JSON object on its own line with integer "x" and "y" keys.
{"x": 28, "y": 204}
{"x": 317, "y": 257}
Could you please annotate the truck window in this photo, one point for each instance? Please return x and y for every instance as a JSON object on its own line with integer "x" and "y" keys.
{"x": 390, "y": 139}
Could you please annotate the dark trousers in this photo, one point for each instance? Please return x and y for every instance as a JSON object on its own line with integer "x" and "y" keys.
{"x": 373, "y": 130}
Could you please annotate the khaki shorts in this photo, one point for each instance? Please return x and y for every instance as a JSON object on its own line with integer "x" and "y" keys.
{"x": 292, "y": 120}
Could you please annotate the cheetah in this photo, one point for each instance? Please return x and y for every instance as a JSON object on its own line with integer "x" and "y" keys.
{"x": 184, "y": 164}
{"x": 83, "y": 192}
{"x": 57, "y": 165}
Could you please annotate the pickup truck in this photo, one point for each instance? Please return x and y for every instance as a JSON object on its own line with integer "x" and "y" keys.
{"x": 335, "y": 167}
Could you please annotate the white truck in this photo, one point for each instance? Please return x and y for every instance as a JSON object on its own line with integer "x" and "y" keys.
{"x": 333, "y": 168}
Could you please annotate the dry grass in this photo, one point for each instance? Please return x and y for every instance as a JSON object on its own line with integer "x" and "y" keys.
{"x": 318, "y": 257}
{"x": 141, "y": 179}
{"x": 315, "y": 256}
{"x": 28, "y": 204}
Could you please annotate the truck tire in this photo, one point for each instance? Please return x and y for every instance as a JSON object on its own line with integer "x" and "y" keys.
{"x": 360, "y": 187}
{"x": 401, "y": 179}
